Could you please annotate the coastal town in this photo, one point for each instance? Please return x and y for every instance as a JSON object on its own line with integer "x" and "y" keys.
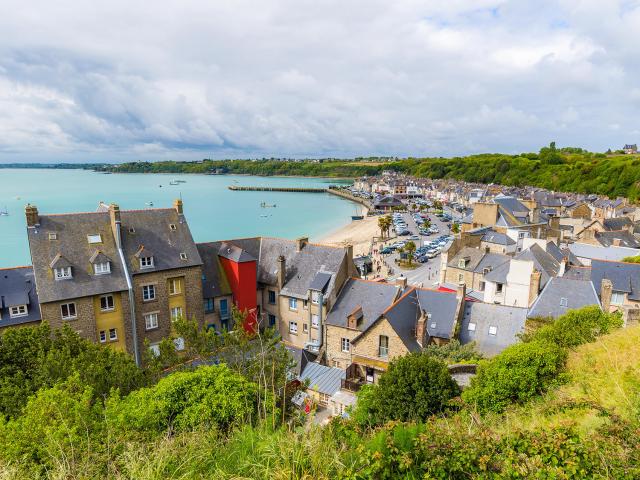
{"x": 428, "y": 263}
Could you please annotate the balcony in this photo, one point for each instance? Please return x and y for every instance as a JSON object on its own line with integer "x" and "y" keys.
{"x": 351, "y": 384}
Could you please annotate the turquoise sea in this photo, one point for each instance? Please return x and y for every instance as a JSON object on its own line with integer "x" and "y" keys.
{"x": 213, "y": 211}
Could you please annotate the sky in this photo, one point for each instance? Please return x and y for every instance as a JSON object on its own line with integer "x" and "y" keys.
{"x": 129, "y": 80}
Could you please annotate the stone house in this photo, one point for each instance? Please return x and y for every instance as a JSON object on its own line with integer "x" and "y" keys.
{"x": 18, "y": 297}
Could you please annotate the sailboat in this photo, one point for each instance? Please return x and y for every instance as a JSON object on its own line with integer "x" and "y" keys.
{"x": 4, "y": 213}
{"x": 358, "y": 215}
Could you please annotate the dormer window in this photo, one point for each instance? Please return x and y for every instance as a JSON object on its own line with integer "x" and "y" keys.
{"x": 132, "y": 230}
{"x": 486, "y": 270}
{"x": 172, "y": 226}
{"x": 102, "y": 268}
{"x": 18, "y": 311}
{"x": 146, "y": 262}
{"x": 183, "y": 256}
{"x": 62, "y": 273}
{"x": 94, "y": 238}
{"x": 53, "y": 236}
{"x": 461, "y": 263}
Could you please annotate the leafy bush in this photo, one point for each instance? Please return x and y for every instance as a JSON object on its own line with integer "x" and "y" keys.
{"x": 414, "y": 387}
{"x": 211, "y": 397}
{"x": 519, "y": 373}
{"x": 454, "y": 352}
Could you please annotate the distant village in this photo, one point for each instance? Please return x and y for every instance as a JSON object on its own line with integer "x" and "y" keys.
{"x": 121, "y": 277}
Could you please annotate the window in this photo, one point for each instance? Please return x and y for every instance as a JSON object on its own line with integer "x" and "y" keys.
{"x": 172, "y": 226}
{"x": 315, "y": 297}
{"x": 493, "y": 330}
{"x": 486, "y": 270}
{"x": 471, "y": 327}
{"x": 433, "y": 325}
{"x": 617, "y": 298}
{"x": 460, "y": 277}
{"x": 102, "y": 268}
{"x": 106, "y": 303}
{"x": 113, "y": 334}
{"x": 183, "y": 256}
{"x": 68, "y": 311}
{"x": 564, "y": 302}
{"x": 62, "y": 273}
{"x": 224, "y": 308}
{"x": 272, "y": 320}
{"x": 53, "y": 236}
{"x": 18, "y": 311}
{"x": 151, "y": 321}
{"x": 176, "y": 313}
{"x": 461, "y": 263}
{"x": 146, "y": 262}
{"x": 345, "y": 344}
{"x": 209, "y": 305}
{"x": 315, "y": 320}
{"x": 272, "y": 297}
{"x": 293, "y": 303}
{"x": 103, "y": 336}
{"x": 383, "y": 346}
{"x": 481, "y": 286}
{"x": 304, "y": 304}
{"x": 293, "y": 327}
{"x": 132, "y": 230}
{"x": 148, "y": 293}
{"x": 175, "y": 286}
{"x": 305, "y": 327}
{"x": 521, "y": 235}
{"x": 96, "y": 238}
{"x": 499, "y": 287}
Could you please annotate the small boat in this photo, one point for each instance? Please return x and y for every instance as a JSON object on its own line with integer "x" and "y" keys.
{"x": 264, "y": 216}
{"x": 266, "y": 205}
{"x": 149, "y": 204}
{"x": 174, "y": 183}
{"x": 180, "y": 181}
{"x": 4, "y": 213}
{"x": 358, "y": 215}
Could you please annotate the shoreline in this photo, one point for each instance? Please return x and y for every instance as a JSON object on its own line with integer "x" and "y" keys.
{"x": 358, "y": 233}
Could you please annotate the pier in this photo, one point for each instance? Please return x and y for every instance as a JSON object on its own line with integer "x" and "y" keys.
{"x": 277, "y": 189}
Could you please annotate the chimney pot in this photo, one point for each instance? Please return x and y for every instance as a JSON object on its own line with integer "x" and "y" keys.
{"x": 282, "y": 272}
{"x": 301, "y": 242}
{"x": 606, "y": 289}
{"x": 177, "y": 204}
{"x": 31, "y": 212}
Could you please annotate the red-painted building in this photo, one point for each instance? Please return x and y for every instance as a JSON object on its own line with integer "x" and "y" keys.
{"x": 240, "y": 269}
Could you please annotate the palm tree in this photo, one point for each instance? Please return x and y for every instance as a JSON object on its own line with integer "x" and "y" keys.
{"x": 382, "y": 224}
{"x": 410, "y": 247}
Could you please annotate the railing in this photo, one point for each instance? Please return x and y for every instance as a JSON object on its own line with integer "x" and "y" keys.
{"x": 353, "y": 385}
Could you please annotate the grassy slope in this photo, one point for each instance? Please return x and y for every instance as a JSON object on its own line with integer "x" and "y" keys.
{"x": 601, "y": 375}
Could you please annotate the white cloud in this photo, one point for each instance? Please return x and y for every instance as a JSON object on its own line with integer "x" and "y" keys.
{"x": 126, "y": 80}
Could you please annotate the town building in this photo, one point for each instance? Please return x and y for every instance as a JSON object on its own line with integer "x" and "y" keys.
{"x": 18, "y": 297}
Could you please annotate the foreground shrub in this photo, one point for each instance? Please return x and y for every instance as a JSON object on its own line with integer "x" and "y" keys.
{"x": 519, "y": 373}
{"x": 414, "y": 387}
{"x": 211, "y": 397}
{"x": 454, "y": 352}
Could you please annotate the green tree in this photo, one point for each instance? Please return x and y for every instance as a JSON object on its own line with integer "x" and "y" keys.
{"x": 454, "y": 352}
{"x": 410, "y": 248}
{"x": 414, "y": 387}
{"x": 635, "y": 259}
{"x": 455, "y": 228}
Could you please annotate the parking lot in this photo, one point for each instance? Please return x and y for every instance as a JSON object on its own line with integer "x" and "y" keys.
{"x": 427, "y": 273}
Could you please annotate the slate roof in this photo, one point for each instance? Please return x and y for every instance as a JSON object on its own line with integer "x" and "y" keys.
{"x": 442, "y": 307}
{"x": 509, "y": 323}
{"x": 472, "y": 255}
{"x": 542, "y": 261}
{"x": 373, "y": 297}
{"x": 626, "y": 239}
{"x": 234, "y": 253}
{"x": 619, "y": 223}
{"x": 512, "y": 205}
{"x": 320, "y": 281}
{"x": 578, "y": 273}
{"x": 562, "y": 294}
{"x": 625, "y": 277}
{"x": 498, "y": 238}
{"x": 499, "y": 274}
{"x": 491, "y": 261}
{"x": 584, "y": 250}
{"x": 402, "y": 317}
{"x": 214, "y": 281}
{"x": 323, "y": 379}
{"x": 388, "y": 201}
{"x": 18, "y": 287}
{"x": 71, "y": 242}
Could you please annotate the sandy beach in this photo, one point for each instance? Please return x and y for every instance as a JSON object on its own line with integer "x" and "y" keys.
{"x": 358, "y": 233}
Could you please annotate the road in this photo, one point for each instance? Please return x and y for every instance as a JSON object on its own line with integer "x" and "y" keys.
{"x": 426, "y": 274}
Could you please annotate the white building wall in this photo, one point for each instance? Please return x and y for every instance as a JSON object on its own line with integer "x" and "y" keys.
{"x": 518, "y": 283}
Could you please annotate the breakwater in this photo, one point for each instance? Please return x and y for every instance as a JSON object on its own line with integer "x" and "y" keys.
{"x": 333, "y": 190}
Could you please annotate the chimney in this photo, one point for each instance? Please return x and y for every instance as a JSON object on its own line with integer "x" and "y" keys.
{"x": 461, "y": 291}
{"x": 606, "y": 289}
{"x": 282, "y": 272}
{"x": 563, "y": 266}
{"x": 301, "y": 242}
{"x": 460, "y": 307}
{"x": 177, "y": 204}
{"x": 114, "y": 219}
{"x": 421, "y": 328}
{"x": 534, "y": 215}
{"x": 401, "y": 281}
{"x": 534, "y": 285}
{"x": 31, "y": 212}
{"x": 616, "y": 242}
{"x": 353, "y": 319}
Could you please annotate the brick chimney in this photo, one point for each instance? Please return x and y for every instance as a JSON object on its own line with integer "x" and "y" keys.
{"x": 31, "y": 212}
{"x": 282, "y": 272}
{"x": 534, "y": 285}
{"x": 401, "y": 281}
{"x": 421, "y": 328}
{"x": 301, "y": 242}
{"x": 461, "y": 291}
{"x": 616, "y": 242}
{"x": 606, "y": 289}
{"x": 459, "y": 313}
{"x": 177, "y": 204}
{"x": 353, "y": 319}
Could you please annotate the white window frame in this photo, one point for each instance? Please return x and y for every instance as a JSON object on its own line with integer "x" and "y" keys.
{"x": 617, "y": 298}
{"x": 102, "y": 268}
{"x": 293, "y": 303}
{"x": 293, "y": 327}
{"x": 94, "y": 238}
{"x": 315, "y": 320}
{"x": 150, "y": 321}
{"x": 493, "y": 330}
{"x": 345, "y": 345}
{"x": 175, "y": 286}
{"x": 18, "y": 311}
{"x": 102, "y": 336}
{"x": 315, "y": 297}
{"x": 69, "y": 306}
{"x": 147, "y": 291}
{"x": 53, "y": 236}
{"x": 63, "y": 273}
{"x": 471, "y": 327}
{"x": 305, "y": 328}
{"x": 383, "y": 351}
{"x": 113, "y": 334}
{"x": 499, "y": 288}
{"x": 175, "y": 313}
{"x": 106, "y": 299}
{"x": 462, "y": 263}
{"x": 564, "y": 302}
{"x": 183, "y": 256}
{"x": 146, "y": 262}
{"x": 461, "y": 277}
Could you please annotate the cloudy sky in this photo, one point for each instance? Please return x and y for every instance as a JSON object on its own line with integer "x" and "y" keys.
{"x": 127, "y": 80}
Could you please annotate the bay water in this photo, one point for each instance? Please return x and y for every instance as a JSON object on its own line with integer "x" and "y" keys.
{"x": 213, "y": 211}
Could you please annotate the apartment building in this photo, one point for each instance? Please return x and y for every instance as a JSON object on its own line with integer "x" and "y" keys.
{"x": 116, "y": 277}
